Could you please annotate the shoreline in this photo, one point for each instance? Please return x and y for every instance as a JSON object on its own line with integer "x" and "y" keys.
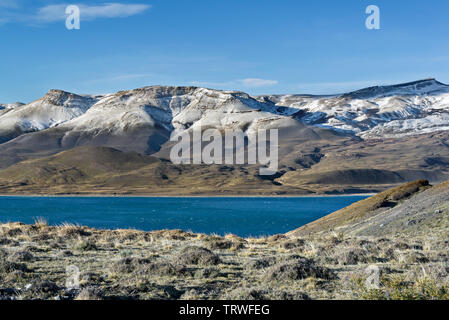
{"x": 183, "y": 196}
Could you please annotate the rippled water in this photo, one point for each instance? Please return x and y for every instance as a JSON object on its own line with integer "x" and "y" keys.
{"x": 240, "y": 215}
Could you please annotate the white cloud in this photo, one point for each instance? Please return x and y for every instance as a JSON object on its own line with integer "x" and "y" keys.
{"x": 53, "y": 13}
{"x": 256, "y": 83}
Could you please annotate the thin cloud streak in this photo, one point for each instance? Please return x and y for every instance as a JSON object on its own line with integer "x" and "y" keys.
{"x": 53, "y": 13}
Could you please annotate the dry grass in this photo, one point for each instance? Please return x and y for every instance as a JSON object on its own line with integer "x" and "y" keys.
{"x": 173, "y": 264}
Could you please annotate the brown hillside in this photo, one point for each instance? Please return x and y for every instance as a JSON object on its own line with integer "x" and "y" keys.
{"x": 363, "y": 209}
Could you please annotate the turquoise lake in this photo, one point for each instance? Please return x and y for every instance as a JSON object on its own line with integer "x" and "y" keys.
{"x": 240, "y": 215}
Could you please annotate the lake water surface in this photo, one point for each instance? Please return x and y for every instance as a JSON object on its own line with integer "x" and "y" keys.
{"x": 240, "y": 215}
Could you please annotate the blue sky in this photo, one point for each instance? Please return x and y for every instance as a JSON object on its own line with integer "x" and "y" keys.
{"x": 262, "y": 46}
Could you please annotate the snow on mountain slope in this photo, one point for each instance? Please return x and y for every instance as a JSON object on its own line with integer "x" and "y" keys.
{"x": 383, "y": 111}
{"x": 54, "y": 108}
{"x": 7, "y": 107}
{"x": 174, "y": 108}
{"x": 139, "y": 120}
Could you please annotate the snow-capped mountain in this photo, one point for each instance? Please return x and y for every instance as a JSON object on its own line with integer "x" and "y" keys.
{"x": 4, "y": 108}
{"x": 382, "y": 111}
{"x": 55, "y": 108}
{"x": 150, "y": 108}
{"x": 149, "y": 115}
{"x": 173, "y": 108}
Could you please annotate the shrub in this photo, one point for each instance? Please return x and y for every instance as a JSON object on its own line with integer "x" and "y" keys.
{"x": 10, "y": 266}
{"x": 86, "y": 245}
{"x": 166, "y": 269}
{"x": 223, "y": 244}
{"x": 292, "y": 244}
{"x": 90, "y": 293}
{"x": 21, "y": 256}
{"x": 300, "y": 268}
{"x": 261, "y": 263}
{"x": 128, "y": 265}
{"x": 43, "y": 286}
{"x": 264, "y": 294}
{"x": 397, "y": 288}
{"x": 198, "y": 256}
{"x": 353, "y": 257}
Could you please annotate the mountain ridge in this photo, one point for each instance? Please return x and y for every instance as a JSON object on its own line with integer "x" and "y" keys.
{"x": 327, "y": 144}
{"x": 345, "y": 112}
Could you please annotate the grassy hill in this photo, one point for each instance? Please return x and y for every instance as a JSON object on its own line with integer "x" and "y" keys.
{"x": 310, "y": 161}
{"x": 413, "y": 208}
{"x": 101, "y": 170}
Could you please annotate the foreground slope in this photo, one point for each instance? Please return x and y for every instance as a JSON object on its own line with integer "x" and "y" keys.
{"x": 415, "y": 208}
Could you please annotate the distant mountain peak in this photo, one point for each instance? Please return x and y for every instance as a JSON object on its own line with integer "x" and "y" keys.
{"x": 423, "y": 86}
{"x": 10, "y": 105}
